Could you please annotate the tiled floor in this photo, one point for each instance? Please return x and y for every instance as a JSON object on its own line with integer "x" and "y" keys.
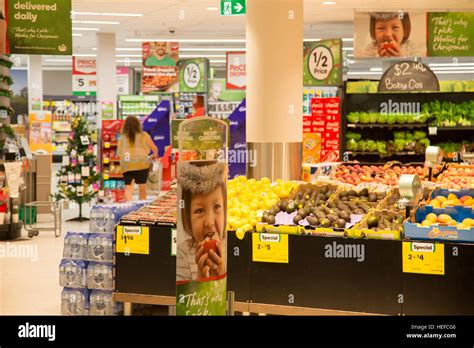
{"x": 30, "y": 285}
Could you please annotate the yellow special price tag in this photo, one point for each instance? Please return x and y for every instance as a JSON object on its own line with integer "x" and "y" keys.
{"x": 107, "y": 145}
{"x": 106, "y": 160}
{"x": 270, "y": 247}
{"x": 423, "y": 258}
{"x": 133, "y": 240}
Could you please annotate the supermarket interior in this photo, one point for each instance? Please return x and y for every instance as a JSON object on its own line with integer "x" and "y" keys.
{"x": 301, "y": 157}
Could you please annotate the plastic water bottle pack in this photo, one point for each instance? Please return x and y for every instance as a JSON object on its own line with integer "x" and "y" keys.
{"x": 100, "y": 276}
{"x": 101, "y": 303}
{"x": 75, "y": 245}
{"x": 100, "y": 247}
{"x": 75, "y": 302}
{"x": 104, "y": 217}
{"x": 73, "y": 273}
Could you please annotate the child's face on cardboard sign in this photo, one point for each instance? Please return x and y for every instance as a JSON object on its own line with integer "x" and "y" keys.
{"x": 207, "y": 215}
{"x": 389, "y": 30}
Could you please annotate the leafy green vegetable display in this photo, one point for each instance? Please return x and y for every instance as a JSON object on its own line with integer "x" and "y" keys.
{"x": 383, "y": 118}
{"x": 448, "y": 114}
{"x": 416, "y": 141}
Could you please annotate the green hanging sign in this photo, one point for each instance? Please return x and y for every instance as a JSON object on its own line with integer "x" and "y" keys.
{"x": 193, "y": 75}
{"x": 40, "y": 27}
{"x": 322, "y": 63}
{"x": 450, "y": 34}
{"x": 233, "y": 7}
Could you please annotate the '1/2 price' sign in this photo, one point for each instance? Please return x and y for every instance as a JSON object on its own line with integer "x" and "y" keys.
{"x": 270, "y": 247}
{"x": 423, "y": 258}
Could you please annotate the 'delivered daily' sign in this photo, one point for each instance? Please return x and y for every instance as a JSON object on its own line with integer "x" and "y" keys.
{"x": 40, "y": 27}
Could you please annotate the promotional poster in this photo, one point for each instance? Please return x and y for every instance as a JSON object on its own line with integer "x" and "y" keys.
{"x": 236, "y": 70}
{"x": 390, "y": 34}
{"x": 39, "y": 27}
{"x": 322, "y": 63}
{"x": 201, "y": 259}
{"x": 84, "y": 76}
{"x": 160, "y": 67}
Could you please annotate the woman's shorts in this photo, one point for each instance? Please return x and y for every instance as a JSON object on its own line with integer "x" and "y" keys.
{"x": 140, "y": 176}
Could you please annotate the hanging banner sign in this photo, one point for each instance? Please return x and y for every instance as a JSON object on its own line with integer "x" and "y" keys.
{"x": 39, "y": 27}
{"x": 157, "y": 124}
{"x": 123, "y": 81}
{"x": 408, "y": 76}
{"x": 236, "y": 70}
{"x": 413, "y": 34}
{"x": 84, "y": 76}
{"x": 450, "y": 34}
{"x": 193, "y": 75}
{"x": 322, "y": 63}
{"x": 160, "y": 67}
{"x": 201, "y": 259}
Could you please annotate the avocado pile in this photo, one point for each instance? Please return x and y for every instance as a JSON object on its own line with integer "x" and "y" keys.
{"x": 305, "y": 203}
{"x": 362, "y": 195}
{"x": 385, "y": 221}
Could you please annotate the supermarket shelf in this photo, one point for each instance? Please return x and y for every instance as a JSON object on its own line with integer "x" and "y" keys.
{"x": 403, "y": 153}
{"x": 62, "y": 131}
{"x": 383, "y": 125}
{"x": 114, "y": 177}
{"x": 111, "y": 144}
{"x": 457, "y": 128}
{"x": 112, "y": 160}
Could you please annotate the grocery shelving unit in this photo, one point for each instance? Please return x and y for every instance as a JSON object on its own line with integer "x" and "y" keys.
{"x": 365, "y": 102}
{"x": 63, "y": 110}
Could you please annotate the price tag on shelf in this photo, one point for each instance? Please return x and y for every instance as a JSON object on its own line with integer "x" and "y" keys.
{"x": 85, "y": 140}
{"x": 85, "y": 171}
{"x": 133, "y": 239}
{"x": 106, "y": 160}
{"x": 269, "y": 247}
{"x": 106, "y": 176}
{"x": 107, "y": 145}
{"x": 432, "y": 130}
{"x": 423, "y": 258}
{"x": 174, "y": 242}
{"x": 65, "y": 161}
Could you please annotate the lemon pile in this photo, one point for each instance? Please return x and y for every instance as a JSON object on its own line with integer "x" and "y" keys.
{"x": 248, "y": 198}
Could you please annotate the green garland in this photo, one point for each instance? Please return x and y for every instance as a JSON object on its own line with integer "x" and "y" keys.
{"x": 6, "y": 79}
{"x": 6, "y": 63}
{"x": 5, "y": 93}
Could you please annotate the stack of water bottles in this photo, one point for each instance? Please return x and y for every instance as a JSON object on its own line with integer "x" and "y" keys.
{"x": 87, "y": 270}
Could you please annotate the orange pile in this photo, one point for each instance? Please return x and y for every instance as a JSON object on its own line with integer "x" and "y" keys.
{"x": 451, "y": 201}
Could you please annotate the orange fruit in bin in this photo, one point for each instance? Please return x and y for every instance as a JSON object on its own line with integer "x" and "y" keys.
{"x": 451, "y": 223}
{"x": 444, "y": 218}
{"x": 435, "y": 203}
{"x": 426, "y": 223}
{"x": 441, "y": 198}
{"x": 468, "y": 202}
{"x": 447, "y": 203}
{"x": 465, "y": 198}
{"x": 468, "y": 222}
{"x": 452, "y": 196}
{"x": 431, "y": 217}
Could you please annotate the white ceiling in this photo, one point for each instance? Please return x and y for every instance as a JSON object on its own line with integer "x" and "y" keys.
{"x": 190, "y": 19}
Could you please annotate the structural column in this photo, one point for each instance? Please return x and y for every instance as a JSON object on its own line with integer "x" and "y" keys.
{"x": 35, "y": 83}
{"x": 274, "y": 34}
{"x": 106, "y": 74}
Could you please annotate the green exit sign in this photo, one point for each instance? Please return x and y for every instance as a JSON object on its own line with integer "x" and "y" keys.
{"x": 233, "y": 7}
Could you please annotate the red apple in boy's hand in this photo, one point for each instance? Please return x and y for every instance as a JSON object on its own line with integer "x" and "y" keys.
{"x": 210, "y": 244}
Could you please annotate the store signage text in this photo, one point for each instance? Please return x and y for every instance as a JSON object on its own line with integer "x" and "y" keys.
{"x": 408, "y": 76}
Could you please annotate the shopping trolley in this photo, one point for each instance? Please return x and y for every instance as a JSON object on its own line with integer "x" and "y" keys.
{"x": 27, "y": 193}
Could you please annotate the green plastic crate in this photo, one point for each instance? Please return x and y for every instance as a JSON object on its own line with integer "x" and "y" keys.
{"x": 27, "y": 220}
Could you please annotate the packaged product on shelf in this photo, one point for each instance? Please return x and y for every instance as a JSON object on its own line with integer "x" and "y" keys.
{"x": 74, "y": 301}
{"x": 100, "y": 276}
{"x": 101, "y": 303}
{"x": 75, "y": 245}
{"x": 100, "y": 247}
{"x": 73, "y": 273}
{"x": 451, "y": 224}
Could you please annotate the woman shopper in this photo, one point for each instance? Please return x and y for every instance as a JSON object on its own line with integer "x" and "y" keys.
{"x": 133, "y": 149}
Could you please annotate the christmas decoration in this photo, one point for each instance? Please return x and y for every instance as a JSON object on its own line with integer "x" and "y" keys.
{"x": 79, "y": 178}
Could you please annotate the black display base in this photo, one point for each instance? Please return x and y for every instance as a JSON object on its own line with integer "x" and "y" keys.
{"x": 10, "y": 231}
{"x": 79, "y": 219}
